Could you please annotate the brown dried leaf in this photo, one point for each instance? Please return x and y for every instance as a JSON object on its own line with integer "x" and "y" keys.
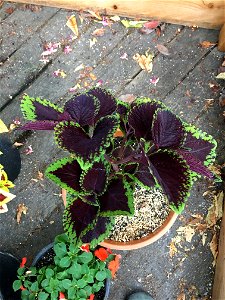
{"x": 162, "y": 49}
{"x": 215, "y": 212}
{"x": 214, "y": 248}
{"x": 72, "y": 24}
{"x": 223, "y": 63}
{"x": 10, "y": 10}
{"x": 181, "y": 296}
{"x": 99, "y": 32}
{"x": 40, "y": 175}
{"x": 173, "y": 249}
{"x": 95, "y": 14}
{"x": 21, "y": 209}
{"x": 144, "y": 60}
{"x": 17, "y": 144}
{"x": 207, "y": 44}
{"x": 187, "y": 231}
{"x": 129, "y": 98}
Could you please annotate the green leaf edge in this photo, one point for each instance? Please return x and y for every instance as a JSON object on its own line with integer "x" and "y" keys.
{"x": 28, "y": 109}
{"x": 57, "y": 165}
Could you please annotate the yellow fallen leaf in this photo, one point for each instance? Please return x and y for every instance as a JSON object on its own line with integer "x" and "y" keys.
{"x": 173, "y": 249}
{"x": 92, "y": 76}
{"x": 3, "y": 127}
{"x": 72, "y": 24}
{"x": 214, "y": 248}
{"x": 21, "y": 209}
{"x": 221, "y": 76}
{"x": 144, "y": 60}
{"x": 95, "y": 14}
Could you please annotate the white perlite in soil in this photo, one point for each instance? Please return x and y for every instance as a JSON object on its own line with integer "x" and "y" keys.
{"x": 151, "y": 210}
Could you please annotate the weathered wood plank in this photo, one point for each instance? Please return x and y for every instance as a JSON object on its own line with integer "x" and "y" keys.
{"x": 208, "y": 14}
{"x": 185, "y": 53}
{"x": 14, "y": 31}
{"x": 25, "y": 64}
{"x": 43, "y": 142}
{"x": 219, "y": 279}
{"x": 7, "y": 9}
{"x": 221, "y": 44}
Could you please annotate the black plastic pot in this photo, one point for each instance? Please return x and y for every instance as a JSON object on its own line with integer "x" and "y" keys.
{"x": 48, "y": 248}
{"x": 8, "y": 273}
{"x": 10, "y": 158}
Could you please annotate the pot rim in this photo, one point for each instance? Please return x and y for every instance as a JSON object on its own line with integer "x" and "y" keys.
{"x": 142, "y": 242}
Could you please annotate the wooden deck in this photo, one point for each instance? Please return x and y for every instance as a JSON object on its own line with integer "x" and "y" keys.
{"x": 186, "y": 82}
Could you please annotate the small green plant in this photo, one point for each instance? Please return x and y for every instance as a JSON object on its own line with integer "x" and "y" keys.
{"x": 76, "y": 273}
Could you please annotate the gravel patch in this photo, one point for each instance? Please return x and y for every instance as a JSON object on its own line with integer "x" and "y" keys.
{"x": 151, "y": 209}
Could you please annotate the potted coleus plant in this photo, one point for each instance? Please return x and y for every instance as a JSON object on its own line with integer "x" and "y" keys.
{"x": 67, "y": 271}
{"x": 154, "y": 149}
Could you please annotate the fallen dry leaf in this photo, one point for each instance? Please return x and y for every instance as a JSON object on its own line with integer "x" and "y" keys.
{"x": 207, "y": 44}
{"x": 215, "y": 211}
{"x": 173, "y": 249}
{"x": 95, "y": 14}
{"x": 144, "y": 60}
{"x": 10, "y": 10}
{"x": 187, "y": 232}
{"x": 221, "y": 76}
{"x": 17, "y": 144}
{"x": 72, "y": 24}
{"x": 93, "y": 42}
{"x": 99, "y": 32}
{"x": 40, "y": 175}
{"x": 21, "y": 209}
{"x": 129, "y": 98}
{"x": 151, "y": 24}
{"x": 115, "y": 18}
{"x": 163, "y": 49}
{"x": 214, "y": 248}
{"x": 3, "y": 127}
{"x": 181, "y": 296}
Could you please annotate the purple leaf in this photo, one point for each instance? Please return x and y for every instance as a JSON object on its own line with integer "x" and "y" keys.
{"x": 144, "y": 175}
{"x": 100, "y": 228}
{"x": 95, "y": 178}
{"x": 74, "y": 139}
{"x": 117, "y": 200}
{"x": 167, "y": 130}
{"x": 39, "y": 125}
{"x": 107, "y": 102}
{"x": 140, "y": 119}
{"x": 79, "y": 215}
{"x": 200, "y": 148}
{"x": 82, "y": 109}
{"x": 195, "y": 164}
{"x": 45, "y": 112}
{"x": 66, "y": 173}
{"x": 173, "y": 174}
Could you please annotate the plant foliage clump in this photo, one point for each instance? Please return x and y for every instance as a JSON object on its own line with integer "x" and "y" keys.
{"x": 155, "y": 148}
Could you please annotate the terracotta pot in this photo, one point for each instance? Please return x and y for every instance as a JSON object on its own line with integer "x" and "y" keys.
{"x": 142, "y": 242}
